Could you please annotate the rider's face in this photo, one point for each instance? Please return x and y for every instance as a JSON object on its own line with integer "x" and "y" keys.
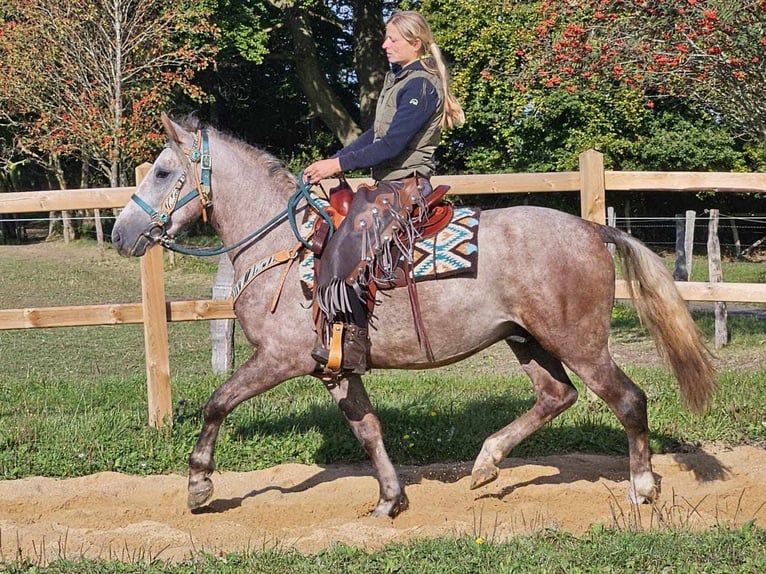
{"x": 398, "y": 50}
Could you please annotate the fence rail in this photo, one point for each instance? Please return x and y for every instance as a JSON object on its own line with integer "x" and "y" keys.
{"x": 591, "y": 181}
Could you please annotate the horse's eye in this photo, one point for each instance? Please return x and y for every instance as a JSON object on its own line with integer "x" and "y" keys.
{"x": 161, "y": 174}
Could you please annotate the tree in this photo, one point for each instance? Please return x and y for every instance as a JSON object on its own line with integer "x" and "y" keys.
{"x": 86, "y": 80}
{"x": 709, "y": 52}
{"x": 298, "y": 77}
{"x": 356, "y": 30}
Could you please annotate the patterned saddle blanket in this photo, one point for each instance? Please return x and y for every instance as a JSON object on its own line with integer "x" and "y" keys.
{"x": 451, "y": 252}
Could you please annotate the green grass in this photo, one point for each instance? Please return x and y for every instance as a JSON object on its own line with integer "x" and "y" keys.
{"x": 733, "y": 271}
{"x": 65, "y": 427}
{"x": 601, "y": 550}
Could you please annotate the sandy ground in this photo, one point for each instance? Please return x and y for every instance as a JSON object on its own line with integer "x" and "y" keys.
{"x": 116, "y": 516}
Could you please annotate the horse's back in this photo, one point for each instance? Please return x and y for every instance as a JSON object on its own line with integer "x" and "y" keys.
{"x": 539, "y": 243}
{"x": 538, "y": 268}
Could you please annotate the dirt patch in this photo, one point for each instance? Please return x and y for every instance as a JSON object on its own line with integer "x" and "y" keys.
{"x": 110, "y": 515}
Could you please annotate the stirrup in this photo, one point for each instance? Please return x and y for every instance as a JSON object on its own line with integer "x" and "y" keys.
{"x": 330, "y": 358}
{"x": 347, "y": 351}
{"x": 335, "y": 355}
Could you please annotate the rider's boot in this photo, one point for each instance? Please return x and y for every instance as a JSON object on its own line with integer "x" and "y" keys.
{"x": 347, "y": 345}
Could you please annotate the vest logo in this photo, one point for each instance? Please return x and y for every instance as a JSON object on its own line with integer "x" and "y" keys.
{"x": 414, "y": 101}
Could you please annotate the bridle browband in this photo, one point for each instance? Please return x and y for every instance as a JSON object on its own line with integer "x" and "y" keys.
{"x": 199, "y": 155}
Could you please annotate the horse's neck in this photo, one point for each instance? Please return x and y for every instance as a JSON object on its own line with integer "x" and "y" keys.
{"x": 245, "y": 207}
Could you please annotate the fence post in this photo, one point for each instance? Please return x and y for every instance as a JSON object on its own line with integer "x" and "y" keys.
{"x": 716, "y": 276}
{"x": 735, "y": 237}
{"x": 156, "y": 343}
{"x": 222, "y": 330}
{"x": 592, "y": 196}
{"x": 684, "y": 246}
{"x": 611, "y": 221}
{"x": 592, "y": 186}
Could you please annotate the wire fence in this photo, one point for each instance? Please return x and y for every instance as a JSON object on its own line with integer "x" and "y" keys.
{"x": 736, "y": 232}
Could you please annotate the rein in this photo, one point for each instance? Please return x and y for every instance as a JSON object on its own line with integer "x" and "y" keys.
{"x": 201, "y": 157}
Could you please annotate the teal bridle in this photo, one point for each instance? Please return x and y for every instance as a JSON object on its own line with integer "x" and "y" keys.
{"x": 199, "y": 155}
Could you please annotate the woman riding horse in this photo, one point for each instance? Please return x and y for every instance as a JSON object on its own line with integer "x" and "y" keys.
{"x": 416, "y": 103}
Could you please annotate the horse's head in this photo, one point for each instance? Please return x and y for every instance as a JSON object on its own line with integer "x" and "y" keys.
{"x": 175, "y": 192}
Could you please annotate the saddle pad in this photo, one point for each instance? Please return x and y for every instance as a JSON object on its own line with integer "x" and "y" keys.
{"x": 453, "y": 251}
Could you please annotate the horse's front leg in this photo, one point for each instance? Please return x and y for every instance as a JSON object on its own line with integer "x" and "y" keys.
{"x": 351, "y": 396}
{"x": 252, "y": 378}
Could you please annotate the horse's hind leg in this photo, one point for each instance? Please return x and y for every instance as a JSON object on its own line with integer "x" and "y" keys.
{"x": 351, "y": 396}
{"x": 628, "y": 403}
{"x": 555, "y": 393}
{"x": 251, "y": 379}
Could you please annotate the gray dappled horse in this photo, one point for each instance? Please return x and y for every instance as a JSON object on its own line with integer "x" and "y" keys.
{"x": 545, "y": 285}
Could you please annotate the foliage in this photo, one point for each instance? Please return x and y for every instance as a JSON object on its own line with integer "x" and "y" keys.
{"x": 299, "y": 78}
{"x": 709, "y": 51}
{"x": 518, "y": 122}
{"x": 88, "y": 79}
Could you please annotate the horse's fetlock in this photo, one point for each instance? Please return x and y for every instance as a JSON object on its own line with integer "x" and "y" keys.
{"x": 201, "y": 465}
{"x": 643, "y": 488}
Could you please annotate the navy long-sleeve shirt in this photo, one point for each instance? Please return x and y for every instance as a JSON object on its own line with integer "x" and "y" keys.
{"x": 416, "y": 103}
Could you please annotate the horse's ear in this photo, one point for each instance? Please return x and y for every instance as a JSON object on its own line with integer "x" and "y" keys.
{"x": 170, "y": 128}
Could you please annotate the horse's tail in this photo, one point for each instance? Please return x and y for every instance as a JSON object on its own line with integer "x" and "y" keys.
{"x": 664, "y": 313}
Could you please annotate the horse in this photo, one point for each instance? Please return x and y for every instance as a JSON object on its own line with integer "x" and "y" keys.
{"x": 545, "y": 283}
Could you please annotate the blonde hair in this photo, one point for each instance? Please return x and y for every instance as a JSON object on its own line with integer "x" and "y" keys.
{"x": 413, "y": 26}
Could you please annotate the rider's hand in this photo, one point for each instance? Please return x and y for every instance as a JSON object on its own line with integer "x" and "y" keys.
{"x": 321, "y": 169}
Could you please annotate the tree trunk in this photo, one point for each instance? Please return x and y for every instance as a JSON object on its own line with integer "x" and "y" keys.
{"x": 85, "y": 184}
{"x": 323, "y": 101}
{"x": 58, "y": 172}
{"x": 369, "y": 58}
{"x": 114, "y": 154}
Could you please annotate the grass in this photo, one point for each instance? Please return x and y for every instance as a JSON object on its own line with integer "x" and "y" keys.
{"x": 73, "y": 402}
{"x": 601, "y": 550}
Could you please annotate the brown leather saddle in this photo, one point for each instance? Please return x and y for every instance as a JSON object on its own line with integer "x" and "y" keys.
{"x": 439, "y": 215}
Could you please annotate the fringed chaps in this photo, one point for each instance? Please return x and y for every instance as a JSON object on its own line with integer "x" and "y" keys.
{"x": 378, "y": 216}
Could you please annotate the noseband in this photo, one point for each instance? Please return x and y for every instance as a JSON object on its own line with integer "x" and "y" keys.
{"x": 198, "y": 156}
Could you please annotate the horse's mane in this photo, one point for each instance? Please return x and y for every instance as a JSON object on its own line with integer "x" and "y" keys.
{"x": 274, "y": 166}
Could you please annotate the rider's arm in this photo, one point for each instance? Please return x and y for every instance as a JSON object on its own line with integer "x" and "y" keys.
{"x": 416, "y": 103}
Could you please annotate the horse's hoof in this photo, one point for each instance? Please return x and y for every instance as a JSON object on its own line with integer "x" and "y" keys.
{"x": 199, "y": 493}
{"x": 645, "y": 498}
{"x": 391, "y": 509}
{"x": 483, "y": 475}
{"x": 643, "y": 489}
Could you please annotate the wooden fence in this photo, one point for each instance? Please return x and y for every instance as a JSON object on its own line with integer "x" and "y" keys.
{"x": 591, "y": 181}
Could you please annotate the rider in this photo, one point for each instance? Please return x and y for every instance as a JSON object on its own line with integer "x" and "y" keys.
{"x": 415, "y": 104}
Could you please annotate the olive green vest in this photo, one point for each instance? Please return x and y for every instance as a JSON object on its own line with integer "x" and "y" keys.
{"x": 419, "y": 153}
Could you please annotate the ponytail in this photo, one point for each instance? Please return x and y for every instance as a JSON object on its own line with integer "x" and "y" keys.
{"x": 452, "y": 114}
{"x": 413, "y": 26}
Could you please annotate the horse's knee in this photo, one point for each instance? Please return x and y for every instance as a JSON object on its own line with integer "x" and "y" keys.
{"x": 214, "y": 411}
